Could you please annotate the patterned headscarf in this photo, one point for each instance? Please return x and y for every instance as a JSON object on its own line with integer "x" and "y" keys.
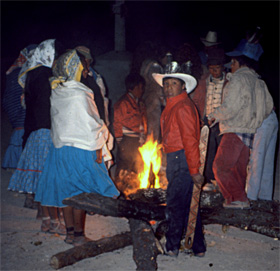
{"x": 43, "y": 56}
{"x": 68, "y": 67}
{"x": 23, "y": 56}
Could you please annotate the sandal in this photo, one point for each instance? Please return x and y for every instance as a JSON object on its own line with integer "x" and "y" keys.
{"x": 46, "y": 222}
{"x": 57, "y": 227}
{"x": 69, "y": 238}
{"x": 80, "y": 240}
{"x": 200, "y": 255}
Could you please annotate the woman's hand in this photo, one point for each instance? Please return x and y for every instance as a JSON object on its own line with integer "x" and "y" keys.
{"x": 99, "y": 156}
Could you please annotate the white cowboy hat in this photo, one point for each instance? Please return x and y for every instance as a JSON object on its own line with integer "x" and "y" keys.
{"x": 190, "y": 81}
{"x": 210, "y": 39}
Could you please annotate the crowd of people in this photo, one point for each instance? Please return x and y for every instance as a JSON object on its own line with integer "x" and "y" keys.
{"x": 61, "y": 144}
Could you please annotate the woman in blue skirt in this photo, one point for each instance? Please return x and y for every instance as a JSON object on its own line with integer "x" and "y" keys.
{"x": 15, "y": 111}
{"x": 34, "y": 79}
{"x": 75, "y": 163}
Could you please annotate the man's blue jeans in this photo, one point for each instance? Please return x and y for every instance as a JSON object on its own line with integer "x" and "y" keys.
{"x": 178, "y": 199}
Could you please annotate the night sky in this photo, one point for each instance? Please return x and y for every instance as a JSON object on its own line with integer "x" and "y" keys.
{"x": 172, "y": 22}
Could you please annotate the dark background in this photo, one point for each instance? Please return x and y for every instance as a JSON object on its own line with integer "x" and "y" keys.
{"x": 91, "y": 23}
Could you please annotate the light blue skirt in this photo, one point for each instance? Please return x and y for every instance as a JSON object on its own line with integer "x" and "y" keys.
{"x": 31, "y": 162}
{"x": 70, "y": 171}
{"x": 14, "y": 150}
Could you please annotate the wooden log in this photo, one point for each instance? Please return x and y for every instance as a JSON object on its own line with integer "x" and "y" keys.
{"x": 263, "y": 217}
{"x": 90, "y": 249}
{"x": 145, "y": 245}
{"x": 99, "y": 204}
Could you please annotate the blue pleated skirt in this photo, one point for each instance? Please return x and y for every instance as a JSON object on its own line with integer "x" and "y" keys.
{"x": 14, "y": 150}
{"x": 70, "y": 171}
{"x": 31, "y": 162}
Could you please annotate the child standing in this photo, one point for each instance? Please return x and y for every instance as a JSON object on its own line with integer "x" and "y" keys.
{"x": 180, "y": 138}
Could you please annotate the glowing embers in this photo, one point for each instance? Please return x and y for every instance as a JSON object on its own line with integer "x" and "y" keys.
{"x": 151, "y": 155}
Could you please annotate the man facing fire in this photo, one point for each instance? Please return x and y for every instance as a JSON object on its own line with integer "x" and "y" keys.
{"x": 180, "y": 139}
{"x": 130, "y": 125}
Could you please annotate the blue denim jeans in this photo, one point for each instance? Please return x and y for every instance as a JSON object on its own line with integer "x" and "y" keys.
{"x": 261, "y": 166}
{"x": 178, "y": 199}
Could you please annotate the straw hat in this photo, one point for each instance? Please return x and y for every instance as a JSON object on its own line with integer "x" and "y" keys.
{"x": 210, "y": 39}
{"x": 190, "y": 81}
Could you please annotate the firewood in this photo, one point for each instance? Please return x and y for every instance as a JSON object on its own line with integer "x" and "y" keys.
{"x": 99, "y": 204}
{"x": 145, "y": 245}
{"x": 90, "y": 249}
{"x": 263, "y": 217}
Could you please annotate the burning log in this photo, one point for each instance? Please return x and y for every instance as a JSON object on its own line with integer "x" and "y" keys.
{"x": 262, "y": 218}
{"x": 90, "y": 249}
{"x": 99, "y": 204}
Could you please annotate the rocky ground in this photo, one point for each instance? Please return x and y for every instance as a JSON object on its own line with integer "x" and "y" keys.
{"x": 24, "y": 247}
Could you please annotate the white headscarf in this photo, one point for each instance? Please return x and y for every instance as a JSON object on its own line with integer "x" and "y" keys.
{"x": 42, "y": 56}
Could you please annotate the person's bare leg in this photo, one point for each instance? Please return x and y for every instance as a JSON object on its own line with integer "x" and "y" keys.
{"x": 46, "y": 220}
{"x": 79, "y": 220}
{"x": 79, "y": 226}
{"x": 69, "y": 222}
{"x": 39, "y": 211}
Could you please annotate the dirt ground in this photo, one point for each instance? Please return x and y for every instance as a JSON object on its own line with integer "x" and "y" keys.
{"x": 24, "y": 247}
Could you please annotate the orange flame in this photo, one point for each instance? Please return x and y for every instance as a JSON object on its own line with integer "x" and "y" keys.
{"x": 151, "y": 156}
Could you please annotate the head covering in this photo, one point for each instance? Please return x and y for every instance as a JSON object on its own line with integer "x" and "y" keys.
{"x": 210, "y": 39}
{"x": 85, "y": 52}
{"x": 43, "y": 55}
{"x": 216, "y": 56}
{"x": 190, "y": 81}
{"x": 251, "y": 50}
{"x": 23, "y": 56}
{"x": 67, "y": 67}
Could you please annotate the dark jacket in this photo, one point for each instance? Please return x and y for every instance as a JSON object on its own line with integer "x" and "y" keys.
{"x": 37, "y": 99}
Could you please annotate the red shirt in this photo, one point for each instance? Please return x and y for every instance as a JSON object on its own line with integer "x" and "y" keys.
{"x": 181, "y": 129}
{"x": 129, "y": 114}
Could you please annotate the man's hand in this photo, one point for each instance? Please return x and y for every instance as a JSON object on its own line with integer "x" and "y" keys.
{"x": 118, "y": 140}
{"x": 198, "y": 179}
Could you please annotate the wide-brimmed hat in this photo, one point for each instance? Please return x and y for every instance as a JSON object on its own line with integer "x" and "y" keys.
{"x": 85, "y": 52}
{"x": 251, "y": 50}
{"x": 210, "y": 39}
{"x": 190, "y": 81}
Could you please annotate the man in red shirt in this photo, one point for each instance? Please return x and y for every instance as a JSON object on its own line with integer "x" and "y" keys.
{"x": 180, "y": 129}
{"x": 130, "y": 125}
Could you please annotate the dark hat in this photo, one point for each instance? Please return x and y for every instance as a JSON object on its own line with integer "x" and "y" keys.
{"x": 85, "y": 52}
{"x": 216, "y": 56}
{"x": 251, "y": 50}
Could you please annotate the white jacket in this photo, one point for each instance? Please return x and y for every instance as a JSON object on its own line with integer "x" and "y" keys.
{"x": 246, "y": 103}
{"x": 75, "y": 119}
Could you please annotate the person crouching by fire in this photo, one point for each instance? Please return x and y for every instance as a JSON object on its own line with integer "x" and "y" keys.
{"x": 130, "y": 128}
{"x": 180, "y": 138}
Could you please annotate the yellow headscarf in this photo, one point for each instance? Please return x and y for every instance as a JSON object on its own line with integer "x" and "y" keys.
{"x": 68, "y": 67}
